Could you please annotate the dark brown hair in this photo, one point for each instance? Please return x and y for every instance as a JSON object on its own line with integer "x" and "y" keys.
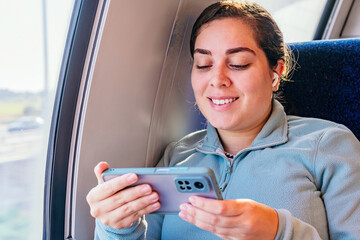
{"x": 266, "y": 32}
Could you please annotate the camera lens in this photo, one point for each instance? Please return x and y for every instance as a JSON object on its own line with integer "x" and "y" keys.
{"x": 199, "y": 185}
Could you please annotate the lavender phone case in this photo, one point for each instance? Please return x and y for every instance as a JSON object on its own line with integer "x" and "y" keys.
{"x": 174, "y": 185}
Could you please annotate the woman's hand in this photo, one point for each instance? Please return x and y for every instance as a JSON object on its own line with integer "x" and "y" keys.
{"x": 231, "y": 219}
{"x": 117, "y": 206}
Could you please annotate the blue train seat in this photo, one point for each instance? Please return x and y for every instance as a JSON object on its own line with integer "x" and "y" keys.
{"x": 326, "y": 82}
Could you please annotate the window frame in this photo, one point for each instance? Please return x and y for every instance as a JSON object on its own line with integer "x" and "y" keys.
{"x": 61, "y": 131}
{"x": 324, "y": 19}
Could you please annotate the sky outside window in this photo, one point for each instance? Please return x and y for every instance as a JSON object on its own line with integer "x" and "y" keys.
{"x": 22, "y": 42}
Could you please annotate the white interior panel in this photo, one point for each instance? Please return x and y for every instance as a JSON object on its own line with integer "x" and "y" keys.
{"x": 344, "y": 20}
{"x": 352, "y": 27}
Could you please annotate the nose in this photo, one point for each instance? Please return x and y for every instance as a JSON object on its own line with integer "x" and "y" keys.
{"x": 220, "y": 78}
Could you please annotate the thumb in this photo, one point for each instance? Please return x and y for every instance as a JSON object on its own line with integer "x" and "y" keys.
{"x": 99, "y": 169}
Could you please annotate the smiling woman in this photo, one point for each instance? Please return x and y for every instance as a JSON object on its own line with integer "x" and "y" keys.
{"x": 236, "y": 71}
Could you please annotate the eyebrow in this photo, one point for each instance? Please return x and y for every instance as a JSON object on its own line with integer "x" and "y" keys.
{"x": 202, "y": 51}
{"x": 229, "y": 51}
{"x": 240, "y": 49}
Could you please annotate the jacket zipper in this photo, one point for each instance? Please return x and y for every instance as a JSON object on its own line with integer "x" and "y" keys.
{"x": 228, "y": 169}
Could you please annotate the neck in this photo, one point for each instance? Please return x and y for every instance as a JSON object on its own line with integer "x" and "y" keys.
{"x": 235, "y": 141}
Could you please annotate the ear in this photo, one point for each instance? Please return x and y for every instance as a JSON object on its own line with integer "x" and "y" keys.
{"x": 279, "y": 68}
{"x": 278, "y": 71}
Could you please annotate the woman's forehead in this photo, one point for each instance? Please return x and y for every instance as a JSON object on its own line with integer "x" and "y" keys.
{"x": 225, "y": 34}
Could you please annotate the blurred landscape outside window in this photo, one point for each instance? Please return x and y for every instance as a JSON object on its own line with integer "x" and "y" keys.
{"x": 33, "y": 35}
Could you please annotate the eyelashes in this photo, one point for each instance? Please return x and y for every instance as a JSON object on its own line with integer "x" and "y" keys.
{"x": 231, "y": 66}
{"x": 239, "y": 67}
{"x": 202, "y": 67}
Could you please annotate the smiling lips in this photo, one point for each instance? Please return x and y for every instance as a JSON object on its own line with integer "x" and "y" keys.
{"x": 223, "y": 101}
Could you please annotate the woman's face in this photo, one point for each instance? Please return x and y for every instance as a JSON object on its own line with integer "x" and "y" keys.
{"x": 231, "y": 77}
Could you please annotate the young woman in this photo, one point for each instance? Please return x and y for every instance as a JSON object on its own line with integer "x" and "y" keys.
{"x": 282, "y": 177}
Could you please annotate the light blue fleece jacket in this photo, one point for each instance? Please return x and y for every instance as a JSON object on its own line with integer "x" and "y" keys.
{"x": 307, "y": 169}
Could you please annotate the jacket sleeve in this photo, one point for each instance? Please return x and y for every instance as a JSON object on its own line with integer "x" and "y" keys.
{"x": 139, "y": 229}
{"x": 336, "y": 166}
{"x": 154, "y": 229}
{"x": 136, "y": 231}
{"x": 291, "y": 228}
{"x": 337, "y": 169}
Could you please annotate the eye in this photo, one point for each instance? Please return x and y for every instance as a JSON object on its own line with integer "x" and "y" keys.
{"x": 238, "y": 67}
{"x": 203, "y": 67}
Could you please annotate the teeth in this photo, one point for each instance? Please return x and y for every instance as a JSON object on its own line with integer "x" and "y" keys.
{"x": 223, "y": 101}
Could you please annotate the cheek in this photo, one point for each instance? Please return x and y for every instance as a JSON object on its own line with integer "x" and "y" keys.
{"x": 249, "y": 86}
{"x": 196, "y": 84}
{"x": 255, "y": 82}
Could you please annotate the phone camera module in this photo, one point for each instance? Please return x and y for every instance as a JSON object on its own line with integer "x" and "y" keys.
{"x": 199, "y": 185}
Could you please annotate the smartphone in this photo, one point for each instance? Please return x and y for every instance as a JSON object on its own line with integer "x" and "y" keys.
{"x": 173, "y": 184}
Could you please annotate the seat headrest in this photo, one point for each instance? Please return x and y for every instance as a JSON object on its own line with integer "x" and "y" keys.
{"x": 326, "y": 82}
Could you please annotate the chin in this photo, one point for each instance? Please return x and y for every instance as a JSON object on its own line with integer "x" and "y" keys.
{"x": 222, "y": 124}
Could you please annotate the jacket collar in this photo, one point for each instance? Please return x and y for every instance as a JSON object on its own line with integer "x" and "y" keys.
{"x": 273, "y": 133}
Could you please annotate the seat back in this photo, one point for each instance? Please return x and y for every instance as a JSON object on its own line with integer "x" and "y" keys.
{"x": 326, "y": 82}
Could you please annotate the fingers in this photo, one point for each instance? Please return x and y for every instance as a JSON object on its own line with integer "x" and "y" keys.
{"x": 116, "y": 205}
{"x": 205, "y": 219}
{"x": 111, "y": 187}
{"x": 221, "y": 207}
{"x": 125, "y": 215}
{"x": 213, "y": 224}
{"x": 226, "y": 227}
{"x": 99, "y": 169}
{"x": 232, "y": 218}
{"x": 143, "y": 192}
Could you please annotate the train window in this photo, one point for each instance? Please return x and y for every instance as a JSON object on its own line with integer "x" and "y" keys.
{"x": 298, "y": 20}
{"x": 32, "y": 42}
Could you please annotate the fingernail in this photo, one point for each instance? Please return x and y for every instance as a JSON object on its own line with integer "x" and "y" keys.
{"x": 183, "y": 215}
{"x": 183, "y": 207}
{"x": 145, "y": 189}
{"x": 193, "y": 200}
{"x": 155, "y": 206}
{"x": 131, "y": 178}
{"x": 153, "y": 197}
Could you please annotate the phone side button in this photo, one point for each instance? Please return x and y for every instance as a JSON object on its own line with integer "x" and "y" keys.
{"x": 160, "y": 170}
{"x": 179, "y": 168}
